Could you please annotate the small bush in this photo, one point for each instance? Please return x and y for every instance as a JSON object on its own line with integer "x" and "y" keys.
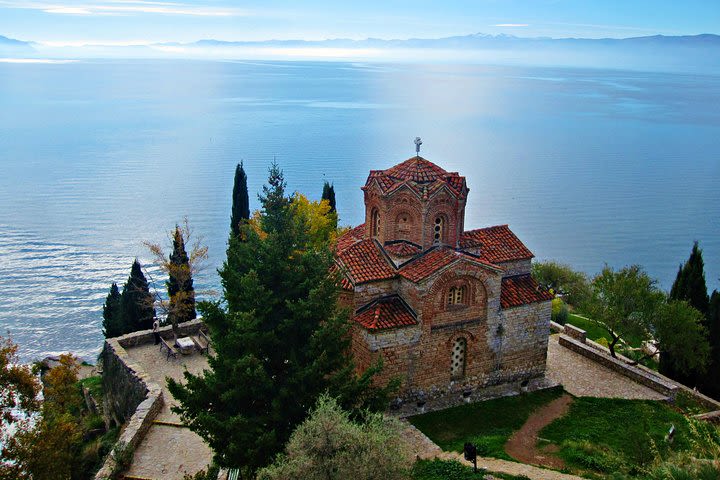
{"x": 211, "y": 474}
{"x": 122, "y": 455}
{"x": 560, "y": 311}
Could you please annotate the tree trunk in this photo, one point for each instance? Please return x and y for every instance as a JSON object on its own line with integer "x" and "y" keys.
{"x": 611, "y": 346}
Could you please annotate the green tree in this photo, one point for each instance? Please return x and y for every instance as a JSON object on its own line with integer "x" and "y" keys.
{"x": 690, "y": 286}
{"x": 112, "y": 321}
{"x": 330, "y": 446}
{"x": 180, "y": 267}
{"x": 279, "y": 338}
{"x": 562, "y": 279}
{"x": 241, "y": 203}
{"x": 690, "y": 282}
{"x": 136, "y": 303}
{"x": 328, "y": 194}
{"x": 623, "y": 303}
{"x": 180, "y": 283}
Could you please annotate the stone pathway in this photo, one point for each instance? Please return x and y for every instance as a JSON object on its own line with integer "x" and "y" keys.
{"x": 584, "y": 378}
{"x": 169, "y": 450}
{"x": 522, "y": 445}
{"x": 427, "y": 449}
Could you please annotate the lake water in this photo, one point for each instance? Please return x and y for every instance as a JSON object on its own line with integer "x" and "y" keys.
{"x": 587, "y": 166}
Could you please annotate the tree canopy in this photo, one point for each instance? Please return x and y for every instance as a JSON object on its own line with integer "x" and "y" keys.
{"x": 112, "y": 316}
{"x": 562, "y": 279}
{"x": 240, "y": 201}
{"x": 279, "y": 338}
{"x": 328, "y": 445}
{"x": 629, "y": 304}
{"x": 136, "y": 302}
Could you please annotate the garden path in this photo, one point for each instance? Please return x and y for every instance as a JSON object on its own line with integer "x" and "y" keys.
{"x": 425, "y": 448}
{"x": 522, "y": 445}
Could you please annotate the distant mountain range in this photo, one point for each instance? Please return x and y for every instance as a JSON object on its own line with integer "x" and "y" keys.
{"x": 688, "y": 53}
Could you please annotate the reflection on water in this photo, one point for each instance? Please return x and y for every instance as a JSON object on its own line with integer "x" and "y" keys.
{"x": 587, "y": 166}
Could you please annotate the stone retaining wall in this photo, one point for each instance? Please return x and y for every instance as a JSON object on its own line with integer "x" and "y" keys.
{"x": 651, "y": 381}
{"x": 129, "y": 391}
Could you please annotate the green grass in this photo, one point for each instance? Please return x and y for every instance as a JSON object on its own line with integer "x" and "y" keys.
{"x": 437, "y": 469}
{"x": 593, "y": 330}
{"x": 94, "y": 385}
{"x": 614, "y": 435}
{"x": 487, "y": 424}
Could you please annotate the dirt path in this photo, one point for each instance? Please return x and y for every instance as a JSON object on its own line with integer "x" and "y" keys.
{"x": 522, "y": 446}
{"x": 423, "y": 447}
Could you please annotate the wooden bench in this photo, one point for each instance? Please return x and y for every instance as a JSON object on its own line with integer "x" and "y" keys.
{"x": 171, "y": 352}
{"x": 202, "y": 342}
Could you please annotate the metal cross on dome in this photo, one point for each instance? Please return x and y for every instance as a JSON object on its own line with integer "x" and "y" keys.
{"x": 418, "y": 142}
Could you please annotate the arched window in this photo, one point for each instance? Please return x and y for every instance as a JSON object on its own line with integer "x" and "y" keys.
{"x": 457, "y": 358}
{"x": 439, "y": 232}
{"x": 375, "y": 222}
{"x": 456, "y": 295}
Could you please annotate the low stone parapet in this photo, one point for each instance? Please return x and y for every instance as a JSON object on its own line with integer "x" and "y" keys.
{"x": 556, "y": 327}
{"x": 636, "y": 374}
{"x": 574, "y": 332}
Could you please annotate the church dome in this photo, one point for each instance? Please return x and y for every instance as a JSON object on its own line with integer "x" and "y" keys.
{"x": 420, "y": 175}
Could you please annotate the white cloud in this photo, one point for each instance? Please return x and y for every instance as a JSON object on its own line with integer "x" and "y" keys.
{"x": 126, "y": 7}
{"x": 511, "y": 25}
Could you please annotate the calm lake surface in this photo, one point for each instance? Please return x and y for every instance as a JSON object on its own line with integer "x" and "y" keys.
{"x": 587, "y": 166}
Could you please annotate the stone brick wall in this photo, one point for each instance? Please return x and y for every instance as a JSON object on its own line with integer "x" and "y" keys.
{"x": 518, "y": 267}
{"x": 502, "y": 346}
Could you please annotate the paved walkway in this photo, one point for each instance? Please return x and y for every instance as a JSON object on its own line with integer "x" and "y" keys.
{"x": 426, "y": 448}
{"x": 584, "y": 378}
{"x": 168, "y": 451}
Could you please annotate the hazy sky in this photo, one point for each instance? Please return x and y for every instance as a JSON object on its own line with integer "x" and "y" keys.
{"x": 143, "y": 21}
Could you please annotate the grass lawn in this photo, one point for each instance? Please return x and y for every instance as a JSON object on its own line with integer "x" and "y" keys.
{"x": 593, "y": 330}
{"x": 614, "y": 435}
{"x": 488, "y": 424}
{"x": 450, "y": 470}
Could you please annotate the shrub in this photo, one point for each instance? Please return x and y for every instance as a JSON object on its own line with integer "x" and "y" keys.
{"x": 560, "y": 311}
{"x": 122, "y": 456}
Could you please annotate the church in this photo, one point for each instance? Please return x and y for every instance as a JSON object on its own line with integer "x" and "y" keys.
{"x": 452, "y": 313}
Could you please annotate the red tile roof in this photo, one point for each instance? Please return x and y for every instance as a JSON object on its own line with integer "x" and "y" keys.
{"x": 350, "y": 237}
{"x": 402, "y": 249}
{"x": 385, "y": 313}
{"x": 497, "y": 244}
{"x": 420, "y": 175}
{"x": 344, "y": 282}
{"x": 522, "y": 290}
{"x": 364, "y": 261}
{"x": 435, "y": 259}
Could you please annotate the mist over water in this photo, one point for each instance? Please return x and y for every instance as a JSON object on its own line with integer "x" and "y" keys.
{"x": 587, "y": 166}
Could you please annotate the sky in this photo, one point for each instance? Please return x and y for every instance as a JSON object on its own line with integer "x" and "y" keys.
{"x": 123, "y": 22}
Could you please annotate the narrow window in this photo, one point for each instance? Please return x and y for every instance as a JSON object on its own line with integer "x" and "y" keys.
{"x": 375, "y": 222}
{"x": 439, "y": 226}
{"x": 456, "y": 296}
{"x": 457, "y": 359}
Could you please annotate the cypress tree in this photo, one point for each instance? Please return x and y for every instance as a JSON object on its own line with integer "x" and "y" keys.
{"x": 112, "y": 321}
{"x": 690, "y": 282}
{"x": 690, "y": 286}
{"x": 329, "y": 195}
{"x": 180, "y": 283}
{"x": 136, "y": 303}
{"x": 241, "y": 203}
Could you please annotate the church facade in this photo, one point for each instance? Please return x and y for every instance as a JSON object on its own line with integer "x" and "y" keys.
{"x": 450, "y": 312}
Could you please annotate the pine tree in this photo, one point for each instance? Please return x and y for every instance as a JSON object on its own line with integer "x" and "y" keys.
{"x": 280, "y": 340}
{"x": 329, "y": 195}
{"x": 690, "y": 286}
{"x": 112, "y": 321}
{"x": 180, "y": 284}
{"x": 241, "y": 202}
{"x": 136, "y": 302}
